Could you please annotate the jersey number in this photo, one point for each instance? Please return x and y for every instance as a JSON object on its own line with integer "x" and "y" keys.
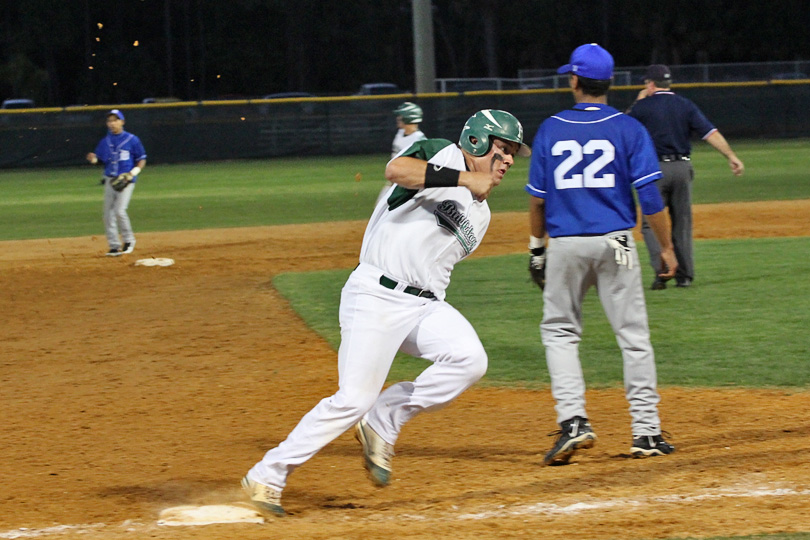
{"x": 589, "y": 177}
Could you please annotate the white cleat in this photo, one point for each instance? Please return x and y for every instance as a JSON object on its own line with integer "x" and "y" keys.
{"x": 266, "y": 498}
{"x": 377, "y": 453}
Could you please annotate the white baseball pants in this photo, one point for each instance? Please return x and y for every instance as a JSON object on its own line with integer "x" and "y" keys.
{"x": 375, "y": 322}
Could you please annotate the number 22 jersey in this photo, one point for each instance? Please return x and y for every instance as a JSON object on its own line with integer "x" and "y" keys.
{"x": 585, "y": 161}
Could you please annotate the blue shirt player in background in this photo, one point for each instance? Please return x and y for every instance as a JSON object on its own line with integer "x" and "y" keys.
{"x": 120, "y": 152}
{"x": 585, "y": 162}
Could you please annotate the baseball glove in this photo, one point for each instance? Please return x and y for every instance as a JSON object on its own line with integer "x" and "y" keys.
{"x": 537, "y": 266}
{"x": 121, "y": 181}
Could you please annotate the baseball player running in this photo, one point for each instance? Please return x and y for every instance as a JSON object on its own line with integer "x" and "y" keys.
{"x": 120, "y": 152}
{"x": 433, "y": 216}
{"x": 586, "y": 161}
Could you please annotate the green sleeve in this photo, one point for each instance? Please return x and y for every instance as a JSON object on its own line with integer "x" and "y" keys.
{"x": 427, "y": 148}
{"x": 424, "y": 150}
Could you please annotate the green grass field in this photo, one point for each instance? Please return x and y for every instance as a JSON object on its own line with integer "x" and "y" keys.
{"x": 50, "y": 203}
{"x": 740, "y": 325}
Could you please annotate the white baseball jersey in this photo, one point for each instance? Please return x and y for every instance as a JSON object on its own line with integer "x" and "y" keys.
{"x": 403, "y": 142}
{"x": 418, "y": 241}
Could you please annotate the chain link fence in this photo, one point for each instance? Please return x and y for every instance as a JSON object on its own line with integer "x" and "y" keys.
{"x": 258, "y": 129}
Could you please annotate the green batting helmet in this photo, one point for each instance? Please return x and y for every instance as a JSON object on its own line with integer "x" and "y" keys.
{"x": 411, "y": 113}
{"x": 483, "y": 125}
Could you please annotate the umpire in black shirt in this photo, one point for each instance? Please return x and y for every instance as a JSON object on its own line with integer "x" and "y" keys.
{"x": 671, "y": 120}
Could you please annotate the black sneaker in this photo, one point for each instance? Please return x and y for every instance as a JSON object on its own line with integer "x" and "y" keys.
{"x": 683, "y": 282}
{"x": 128, "y": 247}
{"x": 574, "y": 434}
{"x": 114, "y": 252}
{"x": 650, "y": 445}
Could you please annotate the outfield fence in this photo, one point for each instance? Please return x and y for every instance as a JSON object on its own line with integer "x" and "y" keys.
{"x": 255, "y": 129}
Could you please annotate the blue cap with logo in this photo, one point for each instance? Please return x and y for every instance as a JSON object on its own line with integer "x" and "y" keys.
{"x": 116, "y": 112}
{"x": 590, "y": 61}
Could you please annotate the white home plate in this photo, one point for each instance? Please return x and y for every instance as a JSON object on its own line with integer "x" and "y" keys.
{"x": 154, "y": 261}
{"x": 208, "y": 515}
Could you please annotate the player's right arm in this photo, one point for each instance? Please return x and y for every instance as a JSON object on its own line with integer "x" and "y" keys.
{"x": 100, "y": 153}
{"x": 412, "y": 173}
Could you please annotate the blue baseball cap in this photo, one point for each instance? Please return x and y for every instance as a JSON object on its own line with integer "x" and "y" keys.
{"x": 117, "y": 113}
{"x": 591, "y": 61}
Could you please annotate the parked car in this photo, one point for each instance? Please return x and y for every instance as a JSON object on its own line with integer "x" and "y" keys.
{"x": 161, "y": 100}
{"x": 18, "y": 104}
{"x": 379, "y": 89}
{"x": 286, "y": 95}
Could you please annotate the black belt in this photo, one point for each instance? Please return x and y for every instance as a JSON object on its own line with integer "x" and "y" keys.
{"x": 389, "y": 283}
{"x": 674, "y": 157}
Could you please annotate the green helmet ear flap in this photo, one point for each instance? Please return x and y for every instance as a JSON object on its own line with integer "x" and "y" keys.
{"x": 476, "y": 137}
{"x": 474, "y": 141}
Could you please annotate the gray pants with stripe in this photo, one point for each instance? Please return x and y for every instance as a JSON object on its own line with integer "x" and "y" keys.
{"x": 676, "y": 190}
{"x": 575, "y": 264}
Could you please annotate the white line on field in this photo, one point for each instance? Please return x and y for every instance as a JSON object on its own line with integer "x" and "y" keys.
{"x": 555, "y": 509}
{"x": 25, "y": 532}
{"x": 499, "y": 512}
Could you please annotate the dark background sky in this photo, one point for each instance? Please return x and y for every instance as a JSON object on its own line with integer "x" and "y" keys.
{"x": 203, "y": 49}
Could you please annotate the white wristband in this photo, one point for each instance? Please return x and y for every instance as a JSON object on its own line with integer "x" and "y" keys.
{"x": 135, "y": 171}
{"x": 535, "y": 242}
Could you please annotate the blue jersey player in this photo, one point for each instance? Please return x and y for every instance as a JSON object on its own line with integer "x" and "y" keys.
{"x": 120, "y": 152}
{"x": 585, "y": 162}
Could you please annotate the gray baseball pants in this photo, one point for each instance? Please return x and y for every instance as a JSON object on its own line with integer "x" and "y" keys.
{"x": 574, "y": 264}
{"x": 676, "y": 190}
{"x": 116, "y": 219}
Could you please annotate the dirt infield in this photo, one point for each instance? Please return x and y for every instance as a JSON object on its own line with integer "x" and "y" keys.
{"x": 126, "y": 390}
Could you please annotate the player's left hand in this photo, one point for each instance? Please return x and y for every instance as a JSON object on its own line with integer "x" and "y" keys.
{"x": 121, "y": 181}
{"x": 669, "y": 263}
{"x": 537, "y": 266}
{"x": 479, "y": 183}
